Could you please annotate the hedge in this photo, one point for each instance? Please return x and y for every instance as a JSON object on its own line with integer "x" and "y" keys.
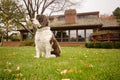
{"x": 28, "y": 42}
{"x": 105, "y": 44}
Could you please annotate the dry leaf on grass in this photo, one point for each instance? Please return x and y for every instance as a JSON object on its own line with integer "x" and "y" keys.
{"x": 67, "y": 71}
{"x": 89, "y": 66}
{"x": 17, "y": 68}
{"x": 64, "y": 71}
{"x": 65, "y": 79}
{"x": 9, "y": 70}
{"x": 71, "y": 70}
{"x": 19, "y": 75}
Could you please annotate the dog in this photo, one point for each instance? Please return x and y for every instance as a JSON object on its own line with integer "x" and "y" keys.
{"x": 45, "y": 40}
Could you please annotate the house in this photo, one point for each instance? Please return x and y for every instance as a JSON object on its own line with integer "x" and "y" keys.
{"x": 74, "y": 28}
{"x": 110, "y": 31}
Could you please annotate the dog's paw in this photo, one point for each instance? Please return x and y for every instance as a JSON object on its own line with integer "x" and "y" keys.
{"x": 50, "y": 56}
{"x": 36, "y": 56}
{"x": 53, "y": 55}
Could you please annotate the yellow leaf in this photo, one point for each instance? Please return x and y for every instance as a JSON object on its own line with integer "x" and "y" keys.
{"x": 19, "y": 75}
{"x": 64, "y": 71}
{"x": 9, "y": 70}
{"x": 18, "y": 68}
{"x": 89, "y": 66}
{"x": 71, "y": 70}
{"x": 8, "y": 63}
{"x": 65, "y": 79}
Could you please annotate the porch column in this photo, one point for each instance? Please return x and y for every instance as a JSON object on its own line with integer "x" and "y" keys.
{"x": 108, "y": 36}
{"x": 77, "y": 35}
{"x": 68, "y": 35}
{"x": 85, "y": 34}
{"x": 61, "y": 36}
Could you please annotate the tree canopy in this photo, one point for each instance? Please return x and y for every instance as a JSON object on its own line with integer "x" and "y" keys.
{"x": 116, "y": 12}
{"x": 10, "y": 16}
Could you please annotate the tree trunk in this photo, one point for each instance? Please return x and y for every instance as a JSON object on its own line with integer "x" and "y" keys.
{"x": 1, "y": 43}
{"x": 7, "y": 32}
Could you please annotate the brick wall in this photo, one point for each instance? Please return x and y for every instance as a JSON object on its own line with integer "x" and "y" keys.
{"x": 70, "y": 16}
{"x": 11, "y": 43}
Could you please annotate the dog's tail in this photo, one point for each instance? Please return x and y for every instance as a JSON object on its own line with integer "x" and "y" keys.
{"x": 56, "y": 47}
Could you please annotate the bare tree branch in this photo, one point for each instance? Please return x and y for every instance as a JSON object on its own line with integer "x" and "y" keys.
{"x": 41, "y": 6}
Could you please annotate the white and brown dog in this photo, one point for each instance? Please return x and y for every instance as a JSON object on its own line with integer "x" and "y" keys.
{"x": 45, "y": 42}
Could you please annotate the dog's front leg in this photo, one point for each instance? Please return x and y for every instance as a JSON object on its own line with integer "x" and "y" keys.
{"x": 37, "y": 52}
{"x": 43, "y": 54}
{"x": 48, "y": 52}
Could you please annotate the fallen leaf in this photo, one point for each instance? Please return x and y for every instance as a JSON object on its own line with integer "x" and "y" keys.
{"x": 71, "y": 70}
{"x": 19, "y": 75}
{"x": 8, "y": 63}
{"x": 18, "y": 68}
{"x": 89, "y": 66}
{"x": 9, "y": 70}
{"x": 64, "y": 71}
{"x": 65, "y": 79}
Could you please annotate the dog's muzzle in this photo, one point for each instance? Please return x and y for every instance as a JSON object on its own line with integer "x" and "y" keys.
{"x": 36, "y": 23}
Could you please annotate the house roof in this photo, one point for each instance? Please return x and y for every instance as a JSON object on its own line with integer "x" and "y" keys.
{"x": 83, "y": 23}
{"x": 109, "y": 23}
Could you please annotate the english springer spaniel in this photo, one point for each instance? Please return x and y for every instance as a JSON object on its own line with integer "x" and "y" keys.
{"x": 45, "y": 42}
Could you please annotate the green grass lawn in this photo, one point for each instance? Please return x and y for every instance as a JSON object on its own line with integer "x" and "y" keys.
{"x": 75, "y": 63}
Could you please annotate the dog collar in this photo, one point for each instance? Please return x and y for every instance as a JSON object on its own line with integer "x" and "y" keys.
{"x": 43, "y": 28}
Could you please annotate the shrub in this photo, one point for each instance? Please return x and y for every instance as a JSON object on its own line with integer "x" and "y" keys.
{"x": 97, "y": 45}
{"x": 14, "y": 38}
{"x": 107, "y": 45}
{"x": 28, "y": 42}
{"x": 117, "y": 45}
{"x": 89, "y": 45}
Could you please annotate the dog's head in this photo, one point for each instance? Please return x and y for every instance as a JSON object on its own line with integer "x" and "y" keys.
{"x": 41, "y": 20}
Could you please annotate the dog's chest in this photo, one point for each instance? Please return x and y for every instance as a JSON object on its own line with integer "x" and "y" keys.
{"x": 43, "y": 36}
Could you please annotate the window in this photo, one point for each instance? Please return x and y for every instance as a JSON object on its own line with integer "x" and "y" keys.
{"x": 88, "y": 32}
{"x": 73, "y": 35}
{"x": 81, "y": 35}
{"x": 61, "y": 36}
{"x": 61, "y": 18}
{"x": 24, "y": 36}
{"x": 86, "y": 16}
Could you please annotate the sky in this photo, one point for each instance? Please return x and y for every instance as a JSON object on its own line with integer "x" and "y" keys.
{"x": 103, "y": 6}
